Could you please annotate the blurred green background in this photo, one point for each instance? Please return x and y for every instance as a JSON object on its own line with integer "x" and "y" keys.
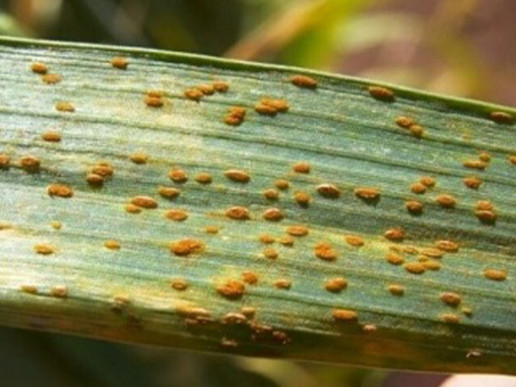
{"x": 460, "y": 47}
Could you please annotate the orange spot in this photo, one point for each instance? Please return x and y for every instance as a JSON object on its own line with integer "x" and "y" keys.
{"x": 501, "y": 117}
{"x": 354, "y": 240}
{"x": 484, "y": 156}
{"x": 271, "y": 194}
{"x": 417, "y": 131}
{"x": 60, "y": 291}
{"x": 237, "y": 175}
{"x": 418, "y": 188}
{"x": 336, "y": 284}
{"x": 155, "y": 93}
{"x": 446, "y": 201}
{"x": 139, "y": 158}
{"x": 450, "y": 318}
{"x": 287, "y": 240}
{"x": 248, "y": 311}
{"x": 177, "y": 175}
{"x": 30, "y": 289}
{"x": 381, "y": 93}
{"x": 56, "y": 225}
{"x": 39, "y": 68}
{"x": 119, "y": 62}
{"x": 414, "y": 207}
{"x": 132, "y": 209}
{"x": 367, "y": 194}
{"x": 495, "y": 274}
{"x": 472, "y": 182}
{"x": 144, "y": 202}
{"x": 271, "y": 107}
{"x": 194, "y": 94}
{"x": 273, "y": 214}
{"x": 179, "y": 284}
{"x": 344, "y": 315}
{"x": 448, "y": 246}
{"x": 263, "y": 109}
{"x": 176, "y": 215}
{"x": 203, "y": 178}
{"x": 51, "y": 136}
{"x": 301, "y": 167}
{"x": 297, "y": 231}
{"x": 325, "y": 252}
{"x": 112, "y": 244}
{"x": 512, "y": 159}
{"x": 51, "y": 79}
{"x": 431, "y": 252}
{"x": 220, "y": 86}
{"x": 303, "y": 81}
{"x": 450, "y": 298}
{"x": 404, "y": 122}
{"x": 282, "y": 184}
{"x": 250, "y": 277}
{"x": 415, "y": 267}
{"x": 30, "y": 163}
{"x": 238, "y": 213}
{"x": 153, "y": 101}
{"x": 66, "y": 107}
{"x": 396, "y": 289}
{"x": 427, "y": 181}
{"x": 235, "y": 115}
{"x": 394, "y": 259}
{"x": 206, "y": 88}
{"x": 283, "y": 284}
{"x": 430, "y": 264}
{"x": 270, "y": 253}
{"x": 302, "y": 198}
{"x": 232, "y": 289}
{"x": 44, "y": 249}
{"x": 484, "y": 205}
{"x": 103, "y": 169}
{"x": 211, "y": 230}
{"x": 60, "y": 190}
{"x": 168, "y": 192}
{"x": 185, "y": 247}
{"x": 328, "y": 191}
{"x": 475, "y": 164}
{"x": 4, "y": 160}
{"x": 395, "y": 234}
{"x": 267, "y": 239}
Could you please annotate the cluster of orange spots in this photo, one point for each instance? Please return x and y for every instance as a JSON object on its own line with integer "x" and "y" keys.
{"x": 282, "y": 184}
{"x": 185, "y": 247}
{"x": 30, "y": 289}
{"x": 66, "y": 107}
{"x": 60, "y": 291}
{"x": 450, "y": 318}
{"x": 112, "y": 244}
{"x": 60, "y": 190}
{"x": 139, "y": 158}
{"x": 485, "y": 211}
{"x": 177, "y": 175}
{"x": 211, "y": 229}
{"x": 168, "y": 192}
{"x": 303, "y": 81}
{"x": 415, "y": 267}
{"x": 302, "y": 198}
{"x": 336, "y": 284}
{"x": 250, "y": 277}
{"x": 237, "y": 175}
{"x": 270, "y": 253}
{"x": 270, "y": 194}
{"x": 472, "y": 182}
{"x": 203, "y": 178}
{"x": 410, "y": 124}
{"x": 231, "y": 289}
{"x": 325, "y": 252}
{"x": 119, "y": 62}
{"x": 283, "y": 284}
{"x": 297, "y": 231}
{"x": 301, "y": 167}
{"x": 344, "y": 315}
{"x": 414, "y": 207}
{"x": 51, "y": 79}
{"x": 287, "y": 240}
{"x": 4, "y": 160}
{"x": 495, "y": 274}
{"x": 328, "y": 191}
{"x": 39, "y": 68}
{"x": 267, "y": 239}
{"x": 44, "y": 249}
{"x": 99, "y": 173}
{"x": 154, "y": 98}
{"x": 396, "y": 234}
{"x": 394, "y": 258}
{"x": 177, "y": 215}
{"x": 367, "y": 194}
{"x": 396, "y": 289}
{"x": 381, "y": 93}
{"x": 235, "y": 115}
{"x": 273, "y": 214}
{"x": 271, "y": 107}
{"x": 447, "y": 245}
{"x": 354, "y": 240}
{"x": 501, "y": 117}
{"x": 144, "y": 202}
{"x": 56, "y": 225}
{"x": 238, "y": 213}
{"x": 179, "y": 284}
{"x": 198, "y": 92}
{"x": 446, "y": 201}
{"x": 30, "y": 163}
{"x": 450, "y": 298}
{"x": 51, "y": 136}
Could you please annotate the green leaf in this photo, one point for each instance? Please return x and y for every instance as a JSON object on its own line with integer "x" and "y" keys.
{"x": 57, "y": 274}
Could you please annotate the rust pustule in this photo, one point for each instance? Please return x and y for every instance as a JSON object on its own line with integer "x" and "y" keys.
{"x": 394, "y": 258}
{"x": 336, "y": 284}
{"x": 221, "y": 86}
{"x": 238, "y": 213}
{"x": 61, "y": 190}
{"x": 415, "y": 267}
{"x": 344, "y": 315}
{"x": 39, "y": 68}
{"x": 418, "y": 188}
{"x": 446, "y": 201}
{"x": 325, "y": 252}
{"x": 270, "y": 194}
{"x": 428, "y": 181}
{"x": 5, "y": 160}
{"x": 237, "y": 175}
{"x": 144, "y": 202}
{"x": 231, "y": 289}
{"x": 501, "y": 117}
{"x": 66, "y": 107}
{"x": 367, "y": 194}
{"x": 495, "y": 274}
{"x": 404, "y": 122}
{"x": 250, "y": 277}
{"x": 297, "y": 231}
{"x": 177, "y": 175}
{"x": 283, "y": 284}
{"x": 396, "y": 234}
{"x": 139, "y": 158}
{"x": 44, "y": 249}
{"x": 354, "y": 240}
{"x": 30, "y": 163}
{"x": 472, "y": 182}
{"x": 301, "y": 167}
{"x": 273, "y": 214}
{"x": 185, "y": 247}
{"x": 203, "y": 178}
{"x": 414, "y": 207}
{"x": 282, "y": 184}
{"x": 450, "y": 298}
{"x": 475, "y": 164}
{"x": 267, "y": 239}
{"x": 328, "y": 191}
{"x": 153, "y": 101}
{"x": 120, "y": 63}
{"x": 51, "y": 136}
{"x": 194, "y": 94}
{"x": 302, "y": 198}
{"x": 447, "y": 245}
{"x": 235, "y": 115}
{"x": 303, "y": 81}
{"x": 381, "y": 93}
{"x": 396, "y": 289}
{"x": 51, "y": 79}
{"x": 177, "y": 215}
{"x": 270, "y": 253}
{"x": 112, "y": 244}
{"x": 179, "y": 284}
{"x": 169, "y": 192}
